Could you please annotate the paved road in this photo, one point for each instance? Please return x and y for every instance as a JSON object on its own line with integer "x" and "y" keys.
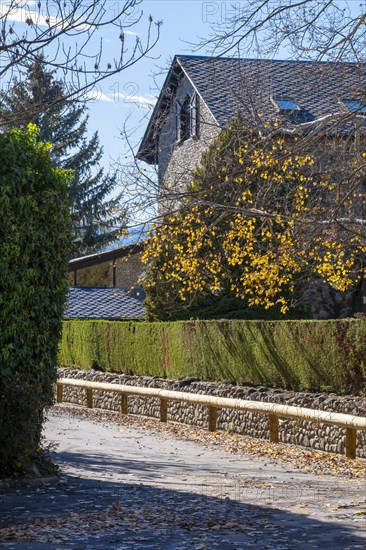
{"x": 128, "y": 488}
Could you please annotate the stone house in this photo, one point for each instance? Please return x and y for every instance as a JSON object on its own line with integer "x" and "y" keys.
{"x": 202, "y": 94}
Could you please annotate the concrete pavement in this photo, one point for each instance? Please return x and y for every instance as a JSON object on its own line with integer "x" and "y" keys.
{"x": 129, "y": 488}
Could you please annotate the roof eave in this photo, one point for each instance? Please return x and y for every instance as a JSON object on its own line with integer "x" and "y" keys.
{"x": 148, "y": 148}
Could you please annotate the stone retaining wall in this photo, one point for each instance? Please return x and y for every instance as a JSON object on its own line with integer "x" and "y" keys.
{"x": 299, "y": 432}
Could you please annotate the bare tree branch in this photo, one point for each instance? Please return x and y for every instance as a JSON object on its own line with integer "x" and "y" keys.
{"x": 69, "y": 35}
{"x": 316, "y": 29}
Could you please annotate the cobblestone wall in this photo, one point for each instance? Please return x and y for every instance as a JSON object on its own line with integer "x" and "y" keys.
{"x": 307, "y": 434}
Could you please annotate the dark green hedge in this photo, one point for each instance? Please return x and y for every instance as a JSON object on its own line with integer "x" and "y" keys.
{"x": 35, "y": 240}
{"x": 316, "y": 355}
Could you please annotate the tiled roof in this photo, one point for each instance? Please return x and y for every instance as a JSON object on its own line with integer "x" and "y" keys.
{"x": 225, "y": 84}
{"x": 316, "y": 87}
{"x": 104, "y": 303}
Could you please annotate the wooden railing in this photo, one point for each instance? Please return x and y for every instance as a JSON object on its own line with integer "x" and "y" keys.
{"x": 274, "y": 410}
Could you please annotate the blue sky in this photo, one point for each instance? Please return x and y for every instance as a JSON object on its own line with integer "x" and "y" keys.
{"x": 130, "y": 95}
{"x": 129, "y": 98}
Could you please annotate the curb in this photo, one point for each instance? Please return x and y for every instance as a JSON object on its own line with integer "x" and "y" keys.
{"x": 35, "y": 482}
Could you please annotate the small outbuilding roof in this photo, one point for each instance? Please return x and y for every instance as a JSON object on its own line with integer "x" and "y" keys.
{"x": 105, "y": 303}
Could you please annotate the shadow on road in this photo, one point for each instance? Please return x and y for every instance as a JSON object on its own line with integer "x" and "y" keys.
{"x": 84, "y": 512}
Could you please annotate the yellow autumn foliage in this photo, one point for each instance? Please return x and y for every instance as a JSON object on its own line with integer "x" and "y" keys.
{"x": 257, "y": 220}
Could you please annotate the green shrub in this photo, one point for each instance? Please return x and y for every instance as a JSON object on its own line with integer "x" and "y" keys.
{"x": 314, "y": 355}
{"x": 35, "y": 241}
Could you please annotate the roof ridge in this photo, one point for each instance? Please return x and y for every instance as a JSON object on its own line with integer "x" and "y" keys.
{"x": 222, "y": 58}
{"x": 105, "y": 288}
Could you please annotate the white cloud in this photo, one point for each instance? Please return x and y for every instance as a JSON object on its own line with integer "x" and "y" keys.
{"x": 20, "y": 15}
{"x": 97, "y": 95}
{"x": 141, "y": 101}
{"x": 25, "y": 4}
{"x": 146, "y": 107}
{"x": 117, "y": 31}
{"x": 28, "y": 10}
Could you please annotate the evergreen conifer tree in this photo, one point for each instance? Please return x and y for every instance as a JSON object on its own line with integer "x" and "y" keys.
{"x": 42, "y": 99}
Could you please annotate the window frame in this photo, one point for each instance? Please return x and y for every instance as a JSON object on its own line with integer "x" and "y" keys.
{"x": 188, "y": 108}
{"x": 360, "y": 109}
{"x": 275, "y": 100}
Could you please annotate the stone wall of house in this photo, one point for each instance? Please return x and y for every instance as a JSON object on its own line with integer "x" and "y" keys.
{"x": 177, "y": 160}
{"x": 307, "y": 434}
{"x": 328, "y": 303}
{"x": 129, "y": 270}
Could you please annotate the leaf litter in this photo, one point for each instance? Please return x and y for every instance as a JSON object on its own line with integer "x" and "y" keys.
{"x": 302, "y": 458}
{"x": 198, "y": 523}
{"x": 141, "y": 521}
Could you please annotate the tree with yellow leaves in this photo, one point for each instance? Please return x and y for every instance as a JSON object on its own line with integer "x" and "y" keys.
{"x": 262, "y": 219}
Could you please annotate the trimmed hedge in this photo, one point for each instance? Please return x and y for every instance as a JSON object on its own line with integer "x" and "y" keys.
{"x": 311, "y": 355}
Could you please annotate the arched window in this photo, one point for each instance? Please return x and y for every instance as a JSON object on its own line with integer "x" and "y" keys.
{"x": 185, "y": 126}
{"x": 186, "y": 118}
